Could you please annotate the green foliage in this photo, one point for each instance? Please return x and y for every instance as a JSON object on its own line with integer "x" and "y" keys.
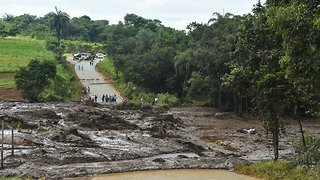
{"x": 106, "y": 67}
{"x": 210, "y": 49}
{"x": 135, "y": 95}
{"x": 168, "y": 100}
{"x": 60, "y": 88}
{"x": 7, "y": 82}
{"x": 73, "y": 47}
{"x": 33, "y": 79}
{"x": 199, "y": 86}
{"x": 59, "y": 23}
{"x": 276, "y": 61}
{"x": 308, "y": 154}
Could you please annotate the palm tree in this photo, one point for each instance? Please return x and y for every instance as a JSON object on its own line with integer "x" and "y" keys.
{"x": 218, "y": 17}
{"x": 59, "y": 22}
{"x": 182, "y": 66}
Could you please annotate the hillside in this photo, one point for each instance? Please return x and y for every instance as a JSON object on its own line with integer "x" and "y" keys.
{"x": 16, "y": 52}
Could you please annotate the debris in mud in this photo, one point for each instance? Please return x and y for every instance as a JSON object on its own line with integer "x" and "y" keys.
{"x": 182, "y": 156}
{"x": 106, "y": 121}
{"x": 72, "y": 136}
{"x": 29, "y": 142}
{"x": 191, "y": 147}
{"x": 159, "y": 160}
{"x": 41, "y": 114}
{"x": 158, "y": 132}
{"x": 21, "y": 123}
{"x": 247, "y": 131}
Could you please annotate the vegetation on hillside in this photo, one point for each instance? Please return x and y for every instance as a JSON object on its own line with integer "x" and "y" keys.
{"x": 18, "y": 51}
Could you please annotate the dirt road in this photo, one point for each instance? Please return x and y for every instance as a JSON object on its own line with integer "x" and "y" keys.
{"x": 97, "y": 83}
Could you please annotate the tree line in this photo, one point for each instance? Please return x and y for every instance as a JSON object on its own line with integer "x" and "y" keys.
{"x": 267, "y": 62}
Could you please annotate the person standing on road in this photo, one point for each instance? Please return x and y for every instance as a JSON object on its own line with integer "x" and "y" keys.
{"x": 115, "y": 98}
{"x": 103, "y": 98}
{"x": 88, "y": 89}
{"x": 107, "y": 98}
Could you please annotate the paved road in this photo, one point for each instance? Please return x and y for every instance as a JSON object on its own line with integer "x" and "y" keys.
{"x": 97, "y": 83}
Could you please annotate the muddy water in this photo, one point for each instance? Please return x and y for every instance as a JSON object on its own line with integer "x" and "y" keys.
{"x": 186, "y": 174}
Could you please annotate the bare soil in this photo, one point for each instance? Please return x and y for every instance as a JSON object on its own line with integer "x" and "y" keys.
{"x": 70, "y": 140}
{"x": 9, "y": 93}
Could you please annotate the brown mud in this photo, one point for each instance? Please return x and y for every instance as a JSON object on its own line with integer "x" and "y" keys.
{"x": 70, "y": 140}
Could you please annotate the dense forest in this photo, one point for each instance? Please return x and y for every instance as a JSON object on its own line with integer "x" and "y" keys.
{"x": 267, "y": 62}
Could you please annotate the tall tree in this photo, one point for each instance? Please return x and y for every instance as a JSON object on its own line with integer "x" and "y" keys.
{"x": 59, "y": 22}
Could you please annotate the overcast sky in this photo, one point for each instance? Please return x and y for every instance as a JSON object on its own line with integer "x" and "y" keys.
{"x": 174, "y": 13}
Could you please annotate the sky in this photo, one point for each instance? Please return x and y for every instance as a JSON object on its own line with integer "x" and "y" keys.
{"x": 173, "y": 13}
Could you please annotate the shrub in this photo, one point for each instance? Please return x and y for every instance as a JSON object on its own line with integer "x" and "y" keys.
{"x": 33, "y": 79}
{"x": 168, "y": 100}
{"x": 281, "y": 169}
{"x": 309, "y": 154}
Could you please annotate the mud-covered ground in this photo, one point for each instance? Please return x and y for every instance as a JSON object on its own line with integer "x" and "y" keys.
{"x": 65, "y": 140}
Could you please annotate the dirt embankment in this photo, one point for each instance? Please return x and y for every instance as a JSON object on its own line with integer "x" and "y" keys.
{"x": 63, "y": 140}
{"x": 10, "y": 93}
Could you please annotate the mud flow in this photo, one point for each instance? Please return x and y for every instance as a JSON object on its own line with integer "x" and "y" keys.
{"x": 70, "y": 140}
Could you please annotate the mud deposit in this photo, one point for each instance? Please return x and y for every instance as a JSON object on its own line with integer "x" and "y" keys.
{"x": 67, "y": 140}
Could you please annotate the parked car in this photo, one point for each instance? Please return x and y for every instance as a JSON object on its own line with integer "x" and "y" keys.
{"x": 77, "y": 56}
{"x": 84, "y": 56}
{"x": 100, "y": 56}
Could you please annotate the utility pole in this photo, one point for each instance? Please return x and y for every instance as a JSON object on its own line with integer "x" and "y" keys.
{"x": 12, "y": 139}
{"x": 2, "y": 142}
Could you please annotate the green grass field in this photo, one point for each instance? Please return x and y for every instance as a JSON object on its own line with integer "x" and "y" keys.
{"x": 7, "y": 83}
{"x": 16, "y": 52}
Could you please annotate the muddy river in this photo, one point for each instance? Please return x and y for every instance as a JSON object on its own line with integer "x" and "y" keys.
{"x": 71, "y": 140}
{"x": 186, "y": 174}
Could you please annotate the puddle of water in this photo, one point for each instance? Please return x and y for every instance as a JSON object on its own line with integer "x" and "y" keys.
{"x": 182, "y": 174}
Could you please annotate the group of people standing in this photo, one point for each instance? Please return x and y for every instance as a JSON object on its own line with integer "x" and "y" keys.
{"x": 85, "y": 90}
{"x": 80, "y": 67}
{"x": 109, "y": 99}
{"x": 91, "y": 62}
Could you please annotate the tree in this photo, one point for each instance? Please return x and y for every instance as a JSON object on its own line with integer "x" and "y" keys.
{"x": 59, "y": 22}
{"x": 2, "y": 30}
{"x": 297, "y": 24}
{"x": 32, "y": 80}
{"x": 210, "y": 47}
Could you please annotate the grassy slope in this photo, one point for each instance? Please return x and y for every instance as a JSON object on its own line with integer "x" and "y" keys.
{"x": 16, "y": 52}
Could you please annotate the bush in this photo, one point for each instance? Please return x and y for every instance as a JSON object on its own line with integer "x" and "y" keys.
{"x": 135, "y": 95}
{"x": 309, "y": 154}
{"x": 168, "y": 100}
{"x": 35, "y": 78}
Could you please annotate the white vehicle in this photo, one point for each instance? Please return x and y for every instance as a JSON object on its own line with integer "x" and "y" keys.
{"x": 100, "y": 56}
